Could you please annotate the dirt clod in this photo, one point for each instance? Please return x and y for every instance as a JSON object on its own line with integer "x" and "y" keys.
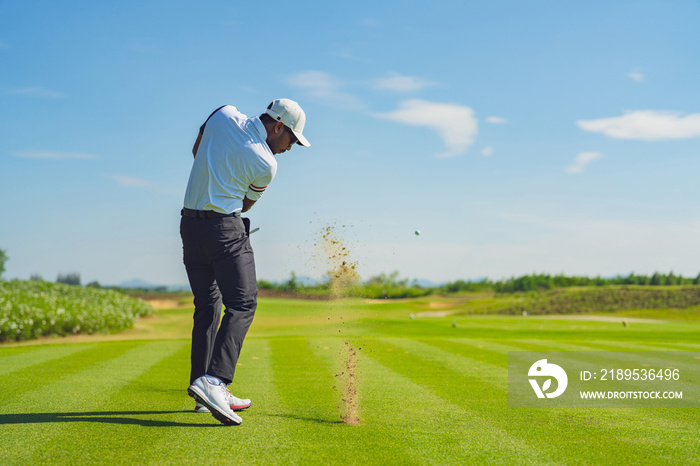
{"x": 343, "y": 272}
{"x": 348, "y": 382}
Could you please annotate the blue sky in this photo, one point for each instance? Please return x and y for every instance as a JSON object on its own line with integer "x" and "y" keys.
{"x": 518, "y": 137}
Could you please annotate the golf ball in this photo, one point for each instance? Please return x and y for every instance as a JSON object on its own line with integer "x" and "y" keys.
{"x": 417, "y": 232}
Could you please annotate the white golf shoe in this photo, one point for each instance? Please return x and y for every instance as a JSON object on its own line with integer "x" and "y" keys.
{"x": 238, "y": 404}
{"x": 200, "y": 408}
{"x": 235, "y": 403}
{"x": 213, "y": 394}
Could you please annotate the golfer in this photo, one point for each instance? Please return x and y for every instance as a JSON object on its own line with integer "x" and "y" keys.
{"x": 234, "y": 161}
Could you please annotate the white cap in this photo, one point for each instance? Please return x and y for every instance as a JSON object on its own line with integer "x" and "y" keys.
{"x": 290, "y": 113}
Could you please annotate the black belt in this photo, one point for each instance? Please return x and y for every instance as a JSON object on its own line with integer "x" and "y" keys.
{"x": 205, "y": 213}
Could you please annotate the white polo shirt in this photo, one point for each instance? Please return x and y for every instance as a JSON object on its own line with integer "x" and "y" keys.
{"x": 233, "y": 160}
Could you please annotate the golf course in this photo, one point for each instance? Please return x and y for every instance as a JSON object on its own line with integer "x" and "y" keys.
{"x": 447, "y": 233}
{"x": 346, "y": 381}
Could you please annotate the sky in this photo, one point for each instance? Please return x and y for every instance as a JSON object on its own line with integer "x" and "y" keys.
{"x": 517, "y": 137}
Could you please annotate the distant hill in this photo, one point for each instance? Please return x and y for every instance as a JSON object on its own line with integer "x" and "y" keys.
{"x": 137, "y": 283}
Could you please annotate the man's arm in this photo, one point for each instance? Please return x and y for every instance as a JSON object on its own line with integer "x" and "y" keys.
{"x": 247, "y": 204}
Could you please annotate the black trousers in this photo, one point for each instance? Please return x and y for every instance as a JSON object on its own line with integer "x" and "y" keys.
{"x": 221, "y": 269}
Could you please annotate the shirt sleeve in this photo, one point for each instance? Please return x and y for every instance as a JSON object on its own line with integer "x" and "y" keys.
{"x": 257, "y": 188}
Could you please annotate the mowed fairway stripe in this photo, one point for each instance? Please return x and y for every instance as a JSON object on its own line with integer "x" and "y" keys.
{"x": 402, "y": 402}
{"x": 264, "y": 436}
{"x": 631, "y": 346}
{"x": 551, "y": 345}
{"x": 476, "y": 350}
{"x": 677, "y": 346}
{"x": 34, "y": 355}
{"x": 496, "y": 375}
{"x": 305, "y": 377}
{"x": 408, "y": 423}
{"x": 679, "y": 423}
{"x": 368, "y": 441}
{"x": 476, "y": 347}
{"x": 58, "y": 412}
{"x": 309, "y": 405}
{"x": 30, "y": 378}
{"x": 304, "y": 383}
{"x": 134, "y": 420}
{"x": 593, "y": 358}
{"x": 556, "y": 433}
{"x": 506, "y": 345}
{"x": 689, "y": 346}
{"x": 261, "y": 438}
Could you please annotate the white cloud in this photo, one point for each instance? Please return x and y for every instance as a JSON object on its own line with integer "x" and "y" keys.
{"x": 398, "y": 83}
{"x": 454, "y": 123}
{"x": 487, "y": 152}
{"x": 496, "y": 120}
{"x": 582, "y": 160}
{"x": 36, "y": 91}
{"x": 135, "y": 182}
{"x": 324, "y": 87}
{"x": 131, "y": 181}
{"x": 636, "y": 76}
{"x": 53, "y": 155}
{"x": 348, "y": 54}
{"x": 645, "y": 125}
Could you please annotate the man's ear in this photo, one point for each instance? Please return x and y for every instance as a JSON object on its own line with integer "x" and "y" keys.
{"x": 279, "y": 127}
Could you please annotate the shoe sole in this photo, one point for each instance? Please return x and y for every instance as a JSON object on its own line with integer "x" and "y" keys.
{"x": 241, "y": 407}
{"x": 199, "y": 397}
{"x": 236, "y": 409}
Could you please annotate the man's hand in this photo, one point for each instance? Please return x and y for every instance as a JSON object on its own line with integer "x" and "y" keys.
{"x": 247, "y": 204}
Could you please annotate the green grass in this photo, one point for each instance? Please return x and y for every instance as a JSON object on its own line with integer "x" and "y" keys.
{"x": 429, "y": 393}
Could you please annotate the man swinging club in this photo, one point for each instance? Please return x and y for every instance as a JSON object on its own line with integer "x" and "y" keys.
{"x": 233, "y": 164}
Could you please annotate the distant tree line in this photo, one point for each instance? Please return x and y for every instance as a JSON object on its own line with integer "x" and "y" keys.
{"x": 379, "y": 286}
{"x": 73, "y": 278}
{"x": 391, "y": 286}
{"x": 542, "y": 282}
{"x": 3, "y": 259}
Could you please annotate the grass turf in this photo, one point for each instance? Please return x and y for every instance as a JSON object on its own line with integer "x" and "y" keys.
{"x": 428, "y": 393}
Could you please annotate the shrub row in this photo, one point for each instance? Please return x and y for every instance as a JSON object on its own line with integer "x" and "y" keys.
{"x": 391, "y": 291}
{"x": 540, "y": 282}
{"x": 605, "y": 299}
{"x": 29, "y": 309}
